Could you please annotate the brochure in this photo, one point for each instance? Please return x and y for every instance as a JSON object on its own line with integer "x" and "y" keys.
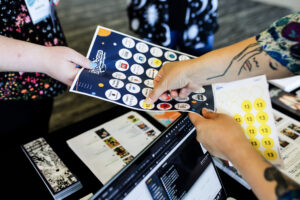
{"x": 107, "y": 148}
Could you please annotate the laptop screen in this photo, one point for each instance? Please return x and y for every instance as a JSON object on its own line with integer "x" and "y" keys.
{"x": 174, "y": 166}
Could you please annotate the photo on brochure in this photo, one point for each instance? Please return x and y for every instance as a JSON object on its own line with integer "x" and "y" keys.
{"x": 102, "y": 133}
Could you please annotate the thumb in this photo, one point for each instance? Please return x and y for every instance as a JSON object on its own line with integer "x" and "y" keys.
{"x": 196, "y": 119}
{"x": 79, "y": 59}
{"x": 158, "y": 90}
{"x": 208, "y": 114}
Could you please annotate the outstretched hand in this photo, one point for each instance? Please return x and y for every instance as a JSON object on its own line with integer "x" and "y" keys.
{"x": 220, "y": 134}
{"x": 173, "y": 78}
{"x": 60, "y": 63}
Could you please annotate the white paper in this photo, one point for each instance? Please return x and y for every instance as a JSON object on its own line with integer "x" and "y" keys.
{"x": 130, "y": 134}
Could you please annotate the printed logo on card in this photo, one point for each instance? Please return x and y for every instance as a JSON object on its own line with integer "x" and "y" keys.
{"x": 128, "y": 42}
{"x": 122, "y": 65}
{"x": 155, "y": 51}
{"x": 164, "y": 106}
{"x": 137, "y": 69}
{"x": 182, "y": 106}
{"x": 129, "y": 99}
{"x": 133, "y": 88}
{"x": 113, "y": 94}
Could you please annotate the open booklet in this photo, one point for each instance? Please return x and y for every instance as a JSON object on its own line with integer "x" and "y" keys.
{"x": 107, "y": 148}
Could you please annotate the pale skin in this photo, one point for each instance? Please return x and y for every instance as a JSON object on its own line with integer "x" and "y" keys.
{"x": 218, "y": 132}
{"x": 57, "y": 62}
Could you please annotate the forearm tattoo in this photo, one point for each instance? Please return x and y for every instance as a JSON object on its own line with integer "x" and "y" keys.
{"x": 246, "y": 60}
{"x": 284, "y": 184}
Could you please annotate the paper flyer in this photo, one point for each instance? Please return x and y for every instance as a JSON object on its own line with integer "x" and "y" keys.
{"x": 126, "y": 67}
{"x": 106, "y": 149}
{"x": 289, "y": 139}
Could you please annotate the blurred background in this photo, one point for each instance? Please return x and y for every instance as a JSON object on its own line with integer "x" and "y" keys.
{"x": 238, "y": 20}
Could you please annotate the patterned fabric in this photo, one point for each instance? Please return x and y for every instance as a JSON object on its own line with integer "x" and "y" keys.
{"x": 15, "y": 22}
{"x": 291, "y": 195}
{"x": 282, "y": 41}
{"x": 150, "y": 19}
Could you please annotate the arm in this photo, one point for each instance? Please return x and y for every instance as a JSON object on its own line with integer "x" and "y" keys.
{"x": 231, "y": 144}
{"x": 57, "y": 62}
{"x": 238, "y": 61}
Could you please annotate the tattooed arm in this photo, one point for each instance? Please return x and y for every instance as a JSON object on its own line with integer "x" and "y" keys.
{"x": 238, "y": 61}
{"x": 223, "y": 137}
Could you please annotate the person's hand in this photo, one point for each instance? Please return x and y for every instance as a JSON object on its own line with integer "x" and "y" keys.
{"x": 220, "y": 134}
{"x": 175, "y": 78}
{"x": 60, "y": 63}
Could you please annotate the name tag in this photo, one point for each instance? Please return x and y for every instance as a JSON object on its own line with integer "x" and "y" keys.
{"x": 38, "y": 10}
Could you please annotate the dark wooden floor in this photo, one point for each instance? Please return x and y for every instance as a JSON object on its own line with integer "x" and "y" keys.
{"x": 238, "y": 20}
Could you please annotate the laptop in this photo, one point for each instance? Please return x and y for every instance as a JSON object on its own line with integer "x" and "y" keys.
{"x": 174, "y": 166}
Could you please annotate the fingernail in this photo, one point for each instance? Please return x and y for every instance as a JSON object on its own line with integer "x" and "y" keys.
{"x": 148, "y": 100}
{"x": 93, "y": 65}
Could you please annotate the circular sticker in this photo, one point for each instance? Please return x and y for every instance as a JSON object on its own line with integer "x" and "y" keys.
{"x": 183, "y": 57}
{"x": 270, "y": 154}
{"x": 135, "y": 79}
{"x": 249, "y": 118}
{"x": 151, "y": 73}
{"x": 146, "y": 106}
{"x": 116, "y": 83}
{"x": 128, "y": 42}
{"x": 182, "y": 99}
{"x": 267, "y": 142}
{"x": 238, "y": 118}
{"x": 113, "y": 94}
{"x": 262, "y": 117}
{"x": 254, "y": 142}
{"x": 246, "y": 106}
{"x": 164, "y": 106}
{"x": 137, "y": 69}
{"x": 129, "y": 99}
{"x": 154, "y": 62}
{"x": 182, "y": 106}
{"x": 122, "y": 65}
{"x": 155, "y": 51}
{"x": 199, "y": 97}
{"x": 170, "y": 55}
{"x": 125, "y": 53}
{"x": 264, "y": 130}
{"x": 146, "y": 91}
{"x": 119, "y": 75}
{"x": 259, "y": 104}
{"x": 149, "y": 83}
{"x": 133, "y": 88}
{"x": 169, "y": 98}
{"x": 251, "y": 131}
{"x": 142, "y": 47}
{"x": 139, "y": 58}
{"x": 200, "y": 90}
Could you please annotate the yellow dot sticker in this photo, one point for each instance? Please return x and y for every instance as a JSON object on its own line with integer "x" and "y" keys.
{"x": 259, "y": 104}
{"x": 264, "y": 130}
{"x": 262, "y": 117}
{"x": 238, "y": 118}
{"x": 270, "y": 154}
{"x": 101, "y": 85}
{"x": 251, "y": 131}
{"x": 267, "y": 142}
{"x": 249, "y": 118}
{"x": 254, "y": 142}
{"x": 147, "y": 106}
{"x": 157, "y": 62}
{"x": 246, "y": 106}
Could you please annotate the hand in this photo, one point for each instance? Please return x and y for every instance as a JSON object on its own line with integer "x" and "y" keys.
{"x": 172, "y": 77}
{"x": 60, "y": 63}
{"x": 220, "y": 134}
